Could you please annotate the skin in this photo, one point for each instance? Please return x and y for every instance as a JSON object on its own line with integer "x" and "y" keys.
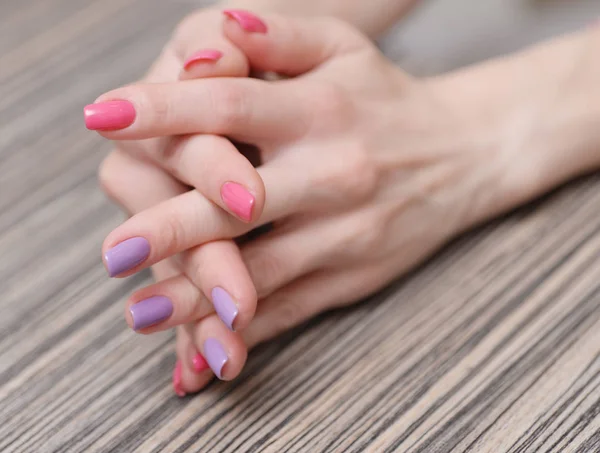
{"x": 132, "y": 175}
{"x": 368, "y": 170}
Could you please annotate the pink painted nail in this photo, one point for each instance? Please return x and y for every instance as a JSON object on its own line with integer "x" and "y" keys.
{"x": 247, "y": 20}
{"x": 238, "y": 200}
{"x": 200, "y": 363}
{"x": 109, "y": 116}
{"x": 177, "y": 379}
{"x": 206, "y": 55}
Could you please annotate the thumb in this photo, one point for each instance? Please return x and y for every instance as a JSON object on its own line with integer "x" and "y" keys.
{"x": 204, "y": 52}
{"x": 290, "y": 45}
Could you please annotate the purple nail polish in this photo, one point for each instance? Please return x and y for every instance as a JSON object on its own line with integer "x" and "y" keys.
{"x": 126, "y": 255}
{"x": 150, "y": 311}
{"x": 225, "y": 307}
{"x": 215, "y": 355}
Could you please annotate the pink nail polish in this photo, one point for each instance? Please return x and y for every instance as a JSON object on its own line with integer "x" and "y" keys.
{"x": 200, "y": 363}
{"x": 177, "y": 379}
{"x": 238, "y": 200}
{"x": 206, "y": 55}
{"x": 248, "y": 21}
{"x": 109, "y": 116}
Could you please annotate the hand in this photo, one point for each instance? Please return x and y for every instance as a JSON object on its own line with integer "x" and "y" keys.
{"x": 134, "y": 180}
{"x": 367, "y": 171}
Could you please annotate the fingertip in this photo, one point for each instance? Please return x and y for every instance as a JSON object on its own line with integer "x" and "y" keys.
{"x": 226, "y": 307}
{"x": 224, "y": 351}
{"x": 177, "y": 379}
{"x": 199, "y": 363}
{"x": 109, "y": 115}
{"x": 191, "y": 381}
{"x": 246, "y": 20}
{"x": 121, "y": 258}
{"x": 210, "y": 63}
{"x": 239, "y": 201}
{"x": 202, "y": 56}
{"x": 129, "y": 315}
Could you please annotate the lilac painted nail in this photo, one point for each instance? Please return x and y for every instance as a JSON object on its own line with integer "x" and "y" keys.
{"x": 126, "y": 255}
{"x": 225, "y": 307}
{"x": 215, "y": 355}
{"x": 150, "y": 311}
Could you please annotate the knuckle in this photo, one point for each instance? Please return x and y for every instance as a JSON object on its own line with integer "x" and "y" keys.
{"x": 161, "y": 106}
{"x": 329, "y": 102}
{"x": 354, "y": 178}
{"x": 363, "y": 173}
{"x": 230, "y": 106}
{"x": 173, "y": 231}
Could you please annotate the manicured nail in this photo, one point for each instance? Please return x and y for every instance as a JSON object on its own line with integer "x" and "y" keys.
{"x": 215, "y": 356}
{"x": 238, "y": 200}
{"x": 177, "y": 379}
{"x": 206, "y": 55}
{"x": 225, "y": 307}
{"x": 247, "y": 20}
{"x": 126, "y": 255}
{"x": 199, "y": 363}
{"x": 109, "y": 116}
{"x": 150, "y": 311}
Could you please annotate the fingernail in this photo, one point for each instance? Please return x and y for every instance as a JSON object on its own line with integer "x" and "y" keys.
{"x": 109, "y": 116}
{"x": 199, "y": 363}
{"x": 247, "y": 20}
{"x": 225, "y": 306}
{"x": 150, "y": 311}
{"x": 215, "y": 356}
{"x": 177, "y": 379}
{"x": 126, "y": 255}
{"x": 238, "y": 200}
{"x": 208, "y": 55}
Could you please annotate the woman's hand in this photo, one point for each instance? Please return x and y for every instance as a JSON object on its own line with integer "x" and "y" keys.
{"x": 367, "y": 172}
{"x": 136, "y": 181}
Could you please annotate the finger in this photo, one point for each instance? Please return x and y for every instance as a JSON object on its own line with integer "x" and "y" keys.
{"x": 290, "y": 45}
{"x": 135, "y": 186}
{"x": 295, "y": 182}
{"x": 190, "y": 219}
{"x": 204, "y": 51}
{"x": 278, "y": 258}
{"x": 191, "y": 371}
{"x": 248, "y": 110}
{"x": 222, "y": 285}
{"x": 215, "y": 167}
{"x": 223, "y": 349}
{"x": 224, "y": 279}
{"x": 216, "y": 268}
{"x": 308, "y": 297}
{"x": 166, "y": 68}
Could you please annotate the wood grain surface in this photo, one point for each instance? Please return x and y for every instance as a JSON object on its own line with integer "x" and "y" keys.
{"x": 492, "y": 346}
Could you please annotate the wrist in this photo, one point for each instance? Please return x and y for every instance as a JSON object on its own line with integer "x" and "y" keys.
{"x": 532, "y": 121}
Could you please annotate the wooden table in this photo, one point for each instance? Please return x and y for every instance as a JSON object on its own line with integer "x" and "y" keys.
{"x": 493, "y": 346}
